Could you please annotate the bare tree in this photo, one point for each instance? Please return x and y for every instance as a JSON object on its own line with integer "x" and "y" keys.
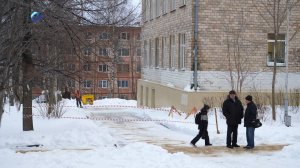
{"x": 274, "y": 13}
{"x": 22, "y": 57}
{"x": 239, "y": 50}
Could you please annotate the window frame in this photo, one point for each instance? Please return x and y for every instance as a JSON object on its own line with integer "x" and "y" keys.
{"x": 269, "y": 62}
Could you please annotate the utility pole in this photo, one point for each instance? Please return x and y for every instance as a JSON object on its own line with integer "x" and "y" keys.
{"x": 196, "y": 46}
{"x": 287, "y": 118}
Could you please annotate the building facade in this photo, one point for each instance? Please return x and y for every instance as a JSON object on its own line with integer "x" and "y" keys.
{"x": 235, "y": 50}
{"x": 104, "y": 61}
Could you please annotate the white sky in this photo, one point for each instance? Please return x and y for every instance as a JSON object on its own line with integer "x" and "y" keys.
{"x": 63, "y": 138}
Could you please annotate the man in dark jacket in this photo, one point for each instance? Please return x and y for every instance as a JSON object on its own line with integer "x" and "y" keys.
{"x": 202, "y": 127}
{"x": 250, "y": 117}
{"x": 233, "y": 111}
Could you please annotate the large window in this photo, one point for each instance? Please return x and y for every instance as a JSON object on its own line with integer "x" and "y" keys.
{"x": 156, "y": 58}
{"x": 103, "y": 68}
{"x": 104, "y": 36}
{"x": 123, "y": 67}
{"x": 87, "y": 67}
{"x": 165, "y": 7}
{"x": 123, "y": 52}
{"x": 145, "y": 53}
{"x": 172, "y": 52}
{"x": 87, "y": 83}
{"x": 123, "y": 83}
{"x": 87, "y": 51}
{"x": 278, "y": 51}
{"x": 164, "y": 54}
{"x": 103, "y": 83}
{"x": 103, "y": 52}
{"x": 182, "y": 51}
{"x": 158, "y": 6}
{"x": 124, "y": 36}
{"x": 172, "y": 5}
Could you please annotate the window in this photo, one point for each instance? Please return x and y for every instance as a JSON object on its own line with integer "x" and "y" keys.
{"x": 104, "y": 36}
{"x": 138, "y": 36}
{"x": 103, "y": 68}
{"x": 151, "y": 9}
{"x": 124, "y": 36}
{"x": 138, "y": 67}
{"x": 122, "y": 83}
{"x": 164, "y": 51}
{"x": 71, "y": 67}
{"x": 103, "y": 83}
{"x": 87, "y": 83}
{"x": 165, "y": 7}
{"x": 172, "y": 5}
{"x": 87, "y": 67}
{"x": 123, "y": 52}
{"x": 181, "y": 51}
{"x": 103, "y": 52}
{"x": 158, "y": 8}
{"x": 138, "y": 51}
{"x": 172, "y": 52}
{"x": 182, "y": 2}
{"x": 276, "y": 52}
{"x": 156, "y": 52}
{"x": 150, "y": 53}
{"x": 123, "y": 67}
{"x": 145, "y": 53}
{"x": 87, "y": 51}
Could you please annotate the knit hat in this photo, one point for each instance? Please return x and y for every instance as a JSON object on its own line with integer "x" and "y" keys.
{"x": 206, "y": 106}
{"x": 232, "y": 92}
{"x": 249, "y": 98}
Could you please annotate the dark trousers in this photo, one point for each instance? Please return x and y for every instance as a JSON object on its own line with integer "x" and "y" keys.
{"x": 204, "y": 135}
{"x": 78, "y": 103}
{"x": 232, "y": 130}
{"x": 250, "y": 136}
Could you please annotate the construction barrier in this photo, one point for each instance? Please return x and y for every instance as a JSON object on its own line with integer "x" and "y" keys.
{"x": 87, "y": 99}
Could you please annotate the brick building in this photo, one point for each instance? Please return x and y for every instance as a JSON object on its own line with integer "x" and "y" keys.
{"x": 101, "y": 60}
{"x": 235, "y": 48}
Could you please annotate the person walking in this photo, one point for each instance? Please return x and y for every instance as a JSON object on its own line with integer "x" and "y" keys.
{"x": 233, "y": 111}
{"x": 78, "y": 99}
{"x": 250, "y": 117}
{"x": 202, "y": 120}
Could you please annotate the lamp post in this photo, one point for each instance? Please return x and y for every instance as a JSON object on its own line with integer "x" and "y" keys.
{"x": 287, "y": 118}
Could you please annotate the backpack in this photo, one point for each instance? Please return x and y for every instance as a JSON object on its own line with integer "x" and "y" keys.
{"x": 198, "y": 118}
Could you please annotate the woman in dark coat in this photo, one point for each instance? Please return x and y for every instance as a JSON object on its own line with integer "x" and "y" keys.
{"x": 202, "y": 127}
{"x": 233, "y": 111}
{"x": 250, "y": 117}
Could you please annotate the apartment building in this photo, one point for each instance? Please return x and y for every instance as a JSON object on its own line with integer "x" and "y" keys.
{"x": 104, "y": 61}
{"x": 217, "y": 45}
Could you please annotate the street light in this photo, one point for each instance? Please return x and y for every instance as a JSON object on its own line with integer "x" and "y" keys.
{"x": 287, "y": 118}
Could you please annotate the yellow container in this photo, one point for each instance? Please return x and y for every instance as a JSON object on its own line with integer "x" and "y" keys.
{"x": 88, "y": 99}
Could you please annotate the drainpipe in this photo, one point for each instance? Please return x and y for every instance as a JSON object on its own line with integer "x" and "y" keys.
{"x": 196, "y": 45}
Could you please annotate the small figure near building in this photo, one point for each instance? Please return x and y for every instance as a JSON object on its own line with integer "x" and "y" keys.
{"x": 202, "y": 121}
{"x": 78, "y": 99}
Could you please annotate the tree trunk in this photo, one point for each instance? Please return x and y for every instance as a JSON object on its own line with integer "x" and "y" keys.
{"x": 27, "y": 66}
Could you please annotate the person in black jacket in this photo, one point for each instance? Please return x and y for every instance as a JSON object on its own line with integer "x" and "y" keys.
{"x": 202, "y": 127}
{"x": 233, "y": 111}
{"x": 250, "y": 117}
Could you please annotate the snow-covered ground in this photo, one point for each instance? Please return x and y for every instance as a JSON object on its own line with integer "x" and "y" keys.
{"x": 105, "y": 139}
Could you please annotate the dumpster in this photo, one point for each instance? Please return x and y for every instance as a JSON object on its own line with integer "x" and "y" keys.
{"x": 87, "y": 99}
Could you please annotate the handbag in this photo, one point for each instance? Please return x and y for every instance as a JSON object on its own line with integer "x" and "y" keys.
{"x": 256, "y": 123}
